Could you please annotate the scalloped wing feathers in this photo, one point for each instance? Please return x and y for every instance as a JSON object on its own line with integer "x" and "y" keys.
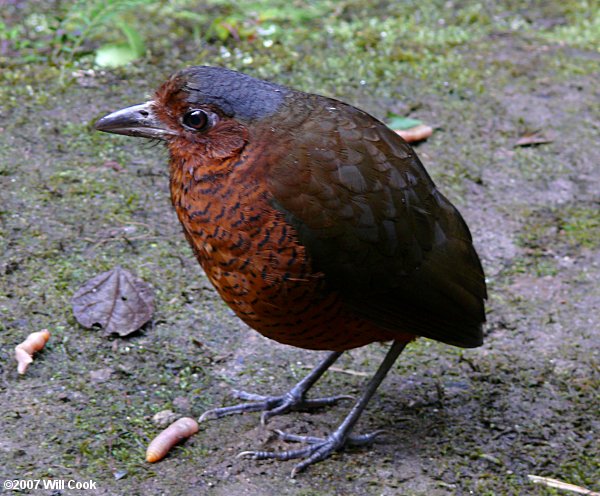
{"x": 374, "y": 223}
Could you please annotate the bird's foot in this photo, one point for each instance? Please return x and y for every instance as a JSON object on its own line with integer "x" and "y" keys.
{"x": 271, "y": 405}
{"x": 318, "y": 448}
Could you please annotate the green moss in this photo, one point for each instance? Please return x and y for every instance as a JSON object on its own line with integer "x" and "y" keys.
{"x": 581, "y": 226}
{"x": 582, "y": 28}
{"x": 572, "y": 226}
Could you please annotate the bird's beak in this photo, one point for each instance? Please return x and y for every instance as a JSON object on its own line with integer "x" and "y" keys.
{"x": 138, "y": 120}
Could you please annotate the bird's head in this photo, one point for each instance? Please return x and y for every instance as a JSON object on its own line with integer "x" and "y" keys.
{"x": 201, "y": 110}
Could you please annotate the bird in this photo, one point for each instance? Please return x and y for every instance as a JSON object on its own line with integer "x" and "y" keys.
{"x": 317, "y": 224}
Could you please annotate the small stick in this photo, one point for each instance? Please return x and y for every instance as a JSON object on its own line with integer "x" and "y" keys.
{"x": 24, "y": 351}
{"x": 342, "y": 371}
{"x": 547, "y": 481}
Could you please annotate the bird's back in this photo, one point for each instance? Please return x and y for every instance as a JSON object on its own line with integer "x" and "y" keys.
{"x": 372, "y": 220}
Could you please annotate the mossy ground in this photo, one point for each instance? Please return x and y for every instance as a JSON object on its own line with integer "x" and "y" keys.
{"x": 74, "y": 203}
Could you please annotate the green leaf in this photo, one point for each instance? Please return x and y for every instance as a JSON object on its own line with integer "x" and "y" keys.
{"x": 120, "y": 54}
{"x": 395, "y": 121}
{"x": 115, "y": 55}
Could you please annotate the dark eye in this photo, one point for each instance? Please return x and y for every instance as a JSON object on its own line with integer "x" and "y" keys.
{"x": 196, "y": 119}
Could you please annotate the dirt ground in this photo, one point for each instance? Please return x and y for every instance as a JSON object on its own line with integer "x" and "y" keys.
{"x": 74, "y": 203}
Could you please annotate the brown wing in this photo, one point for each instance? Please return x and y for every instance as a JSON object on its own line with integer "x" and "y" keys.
{"x": 374, "y": 223}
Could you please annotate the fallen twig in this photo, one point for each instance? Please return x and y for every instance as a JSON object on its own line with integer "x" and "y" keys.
{"x": 547, "y": 481}
{"x": 343, "y": 371}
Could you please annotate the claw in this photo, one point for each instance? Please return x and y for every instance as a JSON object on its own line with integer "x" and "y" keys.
{"x": 216, "y": 413}
{"x": 317, "y": 456}
{"x": 276, "y": 455}
{"x": 358, "y": 440}
{"x": 362, "y": 439}
{"x": 209, "y": 414}
{"x": 246, "y": 396}
{"x": 277, "y": 405}
{"x": 270, "y": 405}
{"x": 300, "y": 467}
{"x": 294, "y": 438}
{"x": 318, "y": 448}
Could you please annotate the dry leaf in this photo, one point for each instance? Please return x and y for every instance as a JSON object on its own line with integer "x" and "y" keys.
{"x": 115, "y": 300}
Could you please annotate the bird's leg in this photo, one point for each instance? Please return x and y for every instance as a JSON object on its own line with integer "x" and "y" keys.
{"x": 320, "y": 448}
{"x": 294, "y": 399}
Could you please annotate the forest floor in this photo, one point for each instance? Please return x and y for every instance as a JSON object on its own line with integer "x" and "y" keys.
{"x": 75, "y": 202}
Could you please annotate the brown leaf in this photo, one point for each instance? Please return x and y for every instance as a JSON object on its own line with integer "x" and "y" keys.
{"x": 115, "y": 300}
